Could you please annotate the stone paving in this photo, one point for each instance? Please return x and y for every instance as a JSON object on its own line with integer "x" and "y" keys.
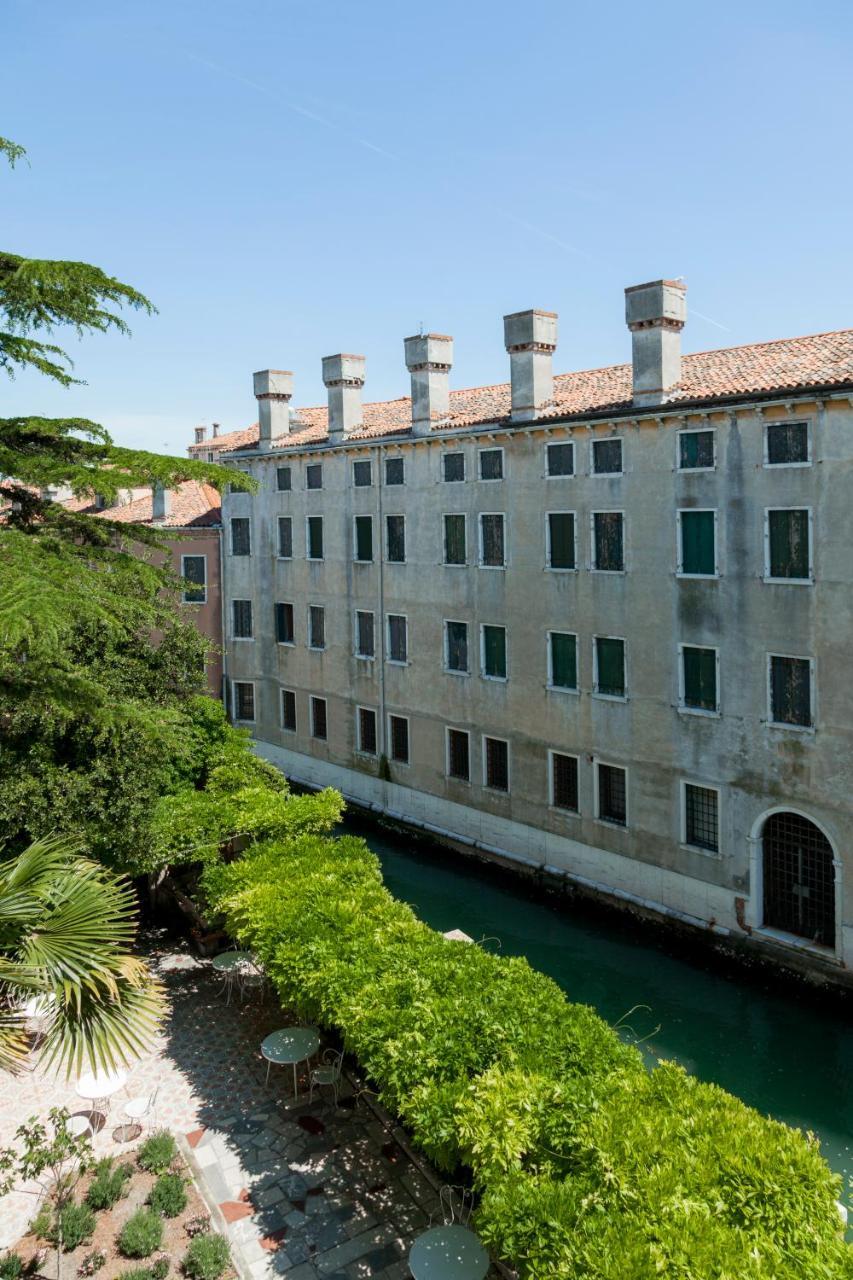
{"x": 311, "y": 1191}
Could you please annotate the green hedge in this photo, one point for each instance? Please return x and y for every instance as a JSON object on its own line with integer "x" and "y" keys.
{"x": 588, "y": 1164}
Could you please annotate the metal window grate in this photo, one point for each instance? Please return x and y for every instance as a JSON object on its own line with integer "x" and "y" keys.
{"x": 241, "y": 536}
{"x": 787, "y": 442}
{"x": 699, "y": 668}
{"x": 396, "y": 538}
{"x": 788, "y": 537}
{"x": 244, "y": 695}
{"x": 790, "y": 690}
{"x": 455, "y": 551}
{"x": 701, "y": 821}
{"x": 564, "y": 782}
{"x": 561, "y": 459}
{"x": 398, "y": 638}
{"x": 319, "y": 727}
{"x": 285, "y": 537}
{"x": 288, "y": 710}
{"x": 367, "y": 731}
{"x": 241, "y": 611}
{"x": 458, "y": 754}
{"x": 497, "y": 764}
{"x": 611, "y": 794}
{"x": 492, "y": 529}
{"x": 609, "y": 541}
{"x": 799, "y": 878}
{"x": 491, "y": 464}
{"x": 399, "y": 739}
{"x": 453, "y": 465}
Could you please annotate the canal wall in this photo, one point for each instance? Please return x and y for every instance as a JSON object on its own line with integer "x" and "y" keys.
{"x": 708, "y": 913}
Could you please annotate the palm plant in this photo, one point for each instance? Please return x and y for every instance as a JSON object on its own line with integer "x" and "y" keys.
{"x": 66, "y": 924}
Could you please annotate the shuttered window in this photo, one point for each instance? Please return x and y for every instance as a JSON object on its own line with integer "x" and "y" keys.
{"x": 561, "y": 540}
{"x": 497, "y": 764}
{"x": 399, "y": 735}
{"x": 244, "y": 700}
{"x": 316, "y": 626}
{"x": 492, "y": 548}
{"x": 787, "y": 443}
{"x": 288, "y": 710}
{"x": 241, "y": 615}
{"x": 284, "y": 479}
{"x": 241, "y": 536}
{"x": 491, "y": 464}
{"x": 561, "y": 459}
{"x": 607, "y": 457}
{"x": 701, "y": 817}
{"x": 314, "y": 476}
{"x": 367, "y": 731}
{"x": 456, "y": 643}
{"x": 315, "y": 537}
{"x": 788, "y": 544}
{"x": 362, "y": 474}
{"x": 398, "y": 638}
{"x": 394, "y": 471}
{"x": 455, "y": 550}
{"x": 395, "y": 527}
{"x": 790, "y": 690}
{"x": 458, "y": 755}
{"x": 319, "y": 726}
{"x": 364, "y": 538}
{"x": 285, "y": 537}
{"x": 194, "y": 570}
{"x": 284, "y": 623}
{"x": 453, "y": 467}
{"x": 699, "y": 678}
{"x": 695, "y": 450}
{"x": 608, "y": 541}
{"x": 564, "y": 782}
{"x": 610, "y": 666}
{"x": 494, "y": 652}
{"x": 365, "y": 643}
{"x": 563, "y": 657}
{"x": 612, "y": 797}
{"x": 698, "y": 543}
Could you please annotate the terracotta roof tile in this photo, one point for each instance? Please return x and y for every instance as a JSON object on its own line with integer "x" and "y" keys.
{"x": 193, "y": 505}
{"x": 788, "y": 364}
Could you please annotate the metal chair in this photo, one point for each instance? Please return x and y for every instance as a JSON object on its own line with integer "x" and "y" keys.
{"x": 455, "y": 1205}
{"x": 142, "y": 1109}
{"x": 327, "y": 1074}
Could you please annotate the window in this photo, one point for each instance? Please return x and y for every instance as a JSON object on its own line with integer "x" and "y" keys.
{"x": 241, "y": 619}
{"x": 456, "y": 646}
{"x": 244, "y": 700}
{"x": 492, "y": 544}
{"x": 493, "y": 655}
{"x": 699, "y": 679}
{"x": 283, "y": 479}
{"x": 316, "y": 626}
{"x": 288, "y": 710}
{"x": 241, "y": 536}
{"x": 701, "y": 817}
{"x": 285, "y": 536}
{"x": 194, "y": 571}
{"x": 315, "y": 537}
{"x": 362, "y": 474}
{"x": 314, "y": 475}
{"x": 363, "y": 538}
{"x": 561, "y": 540}
{"x": 491, "y": 464}
{"x": 496, "y": 764}
{"x": 453, "y": 467}
{"x": 791, "y": 691}
{"x": 609, "y": 667}
{"x": 455, "y": 540}
{"x": 696, "y": 451}
{"x": 786, "y": 444}
{"x": 608, "y": 541}
{"x": 560, "y": 459}
{"x": 284, "y": 632}
{"x": 366, "y": 721}
{"x": 319, "y": 726}
{"x": 564, "y": 781}
{"x": 612, "y": 799}
{"x": 697, "y": 543}
{"x": 398, "y": 638}
{"x": 458, "y": 755}
{"x": 788, "y": 544}
{"x": 365, "y": 643}
{"x": 607, "y": 457}
{"x": 395, "y": 533}
{"x": 562, "y": 660}
{"x": 394, "y": 471}
{"x": 398, "y": 736}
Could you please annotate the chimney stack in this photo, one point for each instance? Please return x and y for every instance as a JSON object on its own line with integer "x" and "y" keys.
{"x": 215, "y": 430}
{"x": 344, "y": 378}
{"x": 161, "y": 503}
{"x": 200, "y": 435}
{"x": 655, "y": 313}
{"x": 530, "y": 338}
{"x": 273, "y": 389}
{"x": 429, "y": 357}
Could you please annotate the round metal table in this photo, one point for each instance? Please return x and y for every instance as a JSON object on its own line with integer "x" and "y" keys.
{"x": 448, "y": 1253}
{"x": 98, "y": 1087}
{"x": 289, "y": 1047}
{"x": 231, "y": 967}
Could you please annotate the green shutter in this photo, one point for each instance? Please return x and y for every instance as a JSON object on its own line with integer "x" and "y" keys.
{"x": 564, "y": 661}
{"x": 494, "y": 651}
{"x": 363, "y": 538}
{"x": 790, "y": 682}
{"x": 789, "y": 544}
{"x": 700, "y": 678}
{"x": 562, "y": 538}
{"x": 697, "y": 542}
{"x": 454, "y": 539}
{"x": 609, "y": 550}
{"x": 611, "y": 666}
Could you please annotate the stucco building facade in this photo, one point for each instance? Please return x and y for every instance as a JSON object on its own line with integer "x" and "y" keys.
{"x": 597, "y": 622}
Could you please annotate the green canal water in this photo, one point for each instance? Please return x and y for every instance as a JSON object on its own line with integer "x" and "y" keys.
{"x": 784, "y": 1051}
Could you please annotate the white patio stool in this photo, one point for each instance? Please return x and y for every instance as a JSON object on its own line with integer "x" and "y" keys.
{"x": 139, "y": 1109}
{"x": 80, "y": 1124}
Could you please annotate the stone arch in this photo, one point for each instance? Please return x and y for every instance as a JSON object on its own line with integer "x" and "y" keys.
{"x": 798, "y": 877}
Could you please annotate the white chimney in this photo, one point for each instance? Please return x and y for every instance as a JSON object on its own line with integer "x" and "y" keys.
{"x": 655, "y": 313}
{"x": 161, "y": 503}
{"x": 344, "y": 378}
{"x": 429, "y": 357}
{"x": 530, "y": 338}
{"x": 215, "y": 430}
{"x": 200, "y": 435}
{"x": 273, "y": 389}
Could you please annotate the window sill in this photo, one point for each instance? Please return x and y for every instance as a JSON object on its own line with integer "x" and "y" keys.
{"x": 449, "y": 671}
{"x": 499, "y": 567}
{"x": 397, "y": 662}
{"x": 699, "y": 711}
{"x": 796, "y": 943}
{"x": 496, "y": 791}
{"x": 786, "y": 466}
{"x": 612, "y": 823}
{"x": 365, "y": 657}
{"x": 697, "y": 577}
{"x": 286, "y": 558}
{"x": 550, "y": 568}
{"x": 315, "y": 559}
{"x": 447, "y": 564}
{"x": 560, "y": 812}
{"x": 316, "y": 648}
{"x": 788, "y": 582}
{"x": 698, "y": 848}
{"x": 364, "y": 562}
{"x": 692, "y": 471}
{"x": 610, "y": 697}
{"x": 452, "y": 777}
{"x": 242, "y": 639}
{"x": 494, "y": 679}
{"x": 286, "y": 644}
{"x": 192, "y": 602}
{"x": 563, "y": 688}
{"x": 808, "y": 729}
{"x": 610, "y": 572}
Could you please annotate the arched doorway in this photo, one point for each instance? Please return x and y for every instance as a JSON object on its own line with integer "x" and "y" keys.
{"x": 799, "y": 878}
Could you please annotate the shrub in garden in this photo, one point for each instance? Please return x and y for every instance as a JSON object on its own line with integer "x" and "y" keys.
{"x": 42, "y": 1223}
{"x": 156, "y": 1153}
{"x": 11, "y": 1266}
{"x": 91, "y": 1263}
{"x": 74, "y": 1225}
{"x": 206, "y": 1258}
{"x": 141, "y": 1234}
{"x": 169, "y": 1195}
{"x": 108, "y": 1185}
{"x": 135, "y": 1273}
{"x": 197, "y": 1226}
{"x": 160, "y": 1267}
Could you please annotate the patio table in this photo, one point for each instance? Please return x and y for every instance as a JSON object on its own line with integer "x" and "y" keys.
{"x": 98, "y": 1087}
{"x": 290, "y": 1046}
{"x": 231, "y": 967}
{"x": 450, "y": 1252}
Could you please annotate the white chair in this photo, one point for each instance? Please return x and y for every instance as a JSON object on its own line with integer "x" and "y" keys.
{"x": 80, "y": 1124}
{"x": 327, "y": 1074}
{"x": 141, "y": 1109}
{"x": 455, "y": 1205}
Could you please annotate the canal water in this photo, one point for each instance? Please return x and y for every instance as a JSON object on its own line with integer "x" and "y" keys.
{"x": 782, "y": 1050}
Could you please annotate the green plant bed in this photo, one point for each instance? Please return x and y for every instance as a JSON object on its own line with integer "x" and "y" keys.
{"x": 11, "y": 1267}
{"x": 156, "y": 1153}
{"x": 76, "y": 1225}
{"x": 108, "y": 1185}
{"x": 169, "y": 1195}
{"x": 141, "y": 1235}
{"x": 588, "y": 1165}
{"x": 206, "y": 1258}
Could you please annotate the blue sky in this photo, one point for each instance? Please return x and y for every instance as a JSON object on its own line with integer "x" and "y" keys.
{"x": 289, "y": 180}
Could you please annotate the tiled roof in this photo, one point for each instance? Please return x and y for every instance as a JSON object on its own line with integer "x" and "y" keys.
{"x": 193, "y": 505}
{"x": 789, "y": 364}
